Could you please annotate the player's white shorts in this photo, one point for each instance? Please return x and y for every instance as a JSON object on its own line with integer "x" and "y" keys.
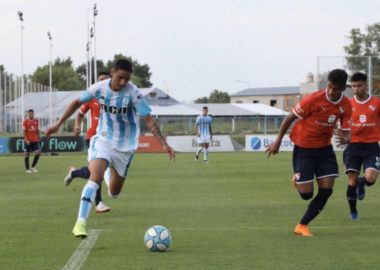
{"x": 120, "y": 161}
{"x": 204, "y": 139}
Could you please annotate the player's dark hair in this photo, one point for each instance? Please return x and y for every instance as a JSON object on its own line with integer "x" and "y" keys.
{"x": 338, "y": 77}
{"x": 106, "y": 73}
{"x": 205, "y": 107}
{"x": 123, "y": 64}
{"x": 359, "y": 77}
{"x": 30, "y": 110}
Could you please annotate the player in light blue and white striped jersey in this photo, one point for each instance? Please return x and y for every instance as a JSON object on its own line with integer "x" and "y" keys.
{"x": 117, "y": 135}
{"x": 204, "y": 133}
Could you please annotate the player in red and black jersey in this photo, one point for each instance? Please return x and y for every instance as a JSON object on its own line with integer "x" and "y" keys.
{"x": 31, "y": 141}
{"x": 313, "y": 155}
{"x": 363, "y": 151}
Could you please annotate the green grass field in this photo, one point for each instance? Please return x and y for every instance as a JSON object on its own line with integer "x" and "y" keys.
{"x": 236, "y": 212}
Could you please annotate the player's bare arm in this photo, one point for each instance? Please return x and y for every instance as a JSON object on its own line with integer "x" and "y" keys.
{"x": 25, "y": 139}
{"x": 343, "y": 136}
{"x": 154, "y": 128}
{"x": 78, "y": 122}
{"x": 210, "y": 132}
{"x": 74, "y": 105}
{"x": 274, "y": 147}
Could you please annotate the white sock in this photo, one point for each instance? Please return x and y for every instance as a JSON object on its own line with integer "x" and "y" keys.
{"x": 205, "y": 157}
{"x": 199, "y": 151}
{"x": 87, "y": 199}
{"x": 107, "y": 176}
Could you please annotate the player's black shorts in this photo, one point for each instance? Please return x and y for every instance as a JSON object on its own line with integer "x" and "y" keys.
{"x": 310, "y": 163}
{"x": 32, "y": 147}
{"x": 357, "y": 155}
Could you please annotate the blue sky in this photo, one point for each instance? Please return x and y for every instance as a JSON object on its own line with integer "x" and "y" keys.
{"x": 192, "y": 46}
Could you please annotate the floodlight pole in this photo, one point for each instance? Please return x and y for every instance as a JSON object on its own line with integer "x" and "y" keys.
{"x": 50, "y": 80}
{"x": 95, "y": 13}
{"x": 369, "y": 75}
{"x": 21, "y": 18}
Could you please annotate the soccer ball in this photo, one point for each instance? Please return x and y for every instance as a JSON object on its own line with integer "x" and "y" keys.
{"x": 157, "y": 238}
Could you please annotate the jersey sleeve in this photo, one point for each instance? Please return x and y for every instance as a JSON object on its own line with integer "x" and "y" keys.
{"x": 24, "y": 125}
{"x": 84, "y": 108}
{"x": 303, "y": 107}
{"x": 197, "y": 121}
{"x": 92, "y": 91}
{"x": 142, "y": 107}
{"x": 345, "y": 120}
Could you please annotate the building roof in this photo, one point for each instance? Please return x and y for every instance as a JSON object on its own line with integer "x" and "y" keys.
{"x": 268, "y": 91}
{"x": 239, "y": 109}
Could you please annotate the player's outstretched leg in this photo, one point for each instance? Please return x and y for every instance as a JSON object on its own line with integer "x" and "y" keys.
{"x": 35, "y": 161}
{"x": 83, "y": 172}
{"x": 198, "y": 153}
{"x": 313, "y": 210}
{"x": 87, "y": 198}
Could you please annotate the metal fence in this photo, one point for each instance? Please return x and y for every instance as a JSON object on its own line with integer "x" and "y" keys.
{"x": 12, "y": 88}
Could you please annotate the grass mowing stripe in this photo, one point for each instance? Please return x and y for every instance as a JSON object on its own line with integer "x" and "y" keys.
{"x": 80, "y": 255}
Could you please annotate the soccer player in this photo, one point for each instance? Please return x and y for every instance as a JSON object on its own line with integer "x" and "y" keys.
{"x": 313, "y": 155}
{"x": 116, "y": 139}
{"x": 32, "y": 141}
{"x": 364, "y": 147}
{"x": 94, "y": 107}
{"x": 204, "y": 132}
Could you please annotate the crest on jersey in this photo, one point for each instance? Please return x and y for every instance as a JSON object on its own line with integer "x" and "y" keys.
{"x": 341, "y": 109}
{"x": 362, "y": 118}
{"x": 371, "y": 107}
{"x": 331, "y": 119}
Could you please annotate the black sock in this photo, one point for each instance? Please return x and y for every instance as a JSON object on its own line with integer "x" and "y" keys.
{"x": 352, "y": 198}
{"x": 98, "y": 197}
{"x": 316, "y": 205}
{"x": 35, "y": 160}
{"x": 26, "y": 160}
{"x": 83, "y": 172}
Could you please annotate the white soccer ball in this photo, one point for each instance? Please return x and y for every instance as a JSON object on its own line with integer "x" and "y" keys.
{"x": 157, "y": 238}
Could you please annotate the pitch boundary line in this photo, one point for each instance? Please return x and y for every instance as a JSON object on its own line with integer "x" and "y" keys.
{"x": 80, "y": 254}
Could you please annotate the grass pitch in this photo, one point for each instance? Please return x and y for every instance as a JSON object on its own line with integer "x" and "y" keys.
{"x": 236, "y": 212}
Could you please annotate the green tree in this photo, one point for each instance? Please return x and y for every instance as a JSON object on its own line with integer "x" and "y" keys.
{"x": 100, "y": 66}
{"x": 201, "y": 100}
{"x": 362, "y": 45}
{"x": 216, "y": 96}
{"x": 64, "y": 76}
{"x": 141, "y": 73}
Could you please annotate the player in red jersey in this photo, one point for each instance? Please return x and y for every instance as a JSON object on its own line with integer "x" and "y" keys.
{"x": 32, "y": 141}
{"x": 364, "y": 150}
{"x": 94, "y": 107}
{"x": 313, "y": 155}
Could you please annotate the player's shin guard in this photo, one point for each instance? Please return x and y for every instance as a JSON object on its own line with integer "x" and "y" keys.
{"x": 352, "y": 198}
{"x": 87, "y": 198}
{"x": 316, "y": 205}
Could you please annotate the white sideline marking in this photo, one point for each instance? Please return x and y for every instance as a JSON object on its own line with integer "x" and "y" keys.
{"x": 80, "y": 254}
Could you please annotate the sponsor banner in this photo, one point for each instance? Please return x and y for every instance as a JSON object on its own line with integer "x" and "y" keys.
{"x": 4, "y": 146}
{"x": 149, "y": 144}
{"x": 51, "y": 144}
{"x": 220, "y": 143}
{"x": 259, "y": 143}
